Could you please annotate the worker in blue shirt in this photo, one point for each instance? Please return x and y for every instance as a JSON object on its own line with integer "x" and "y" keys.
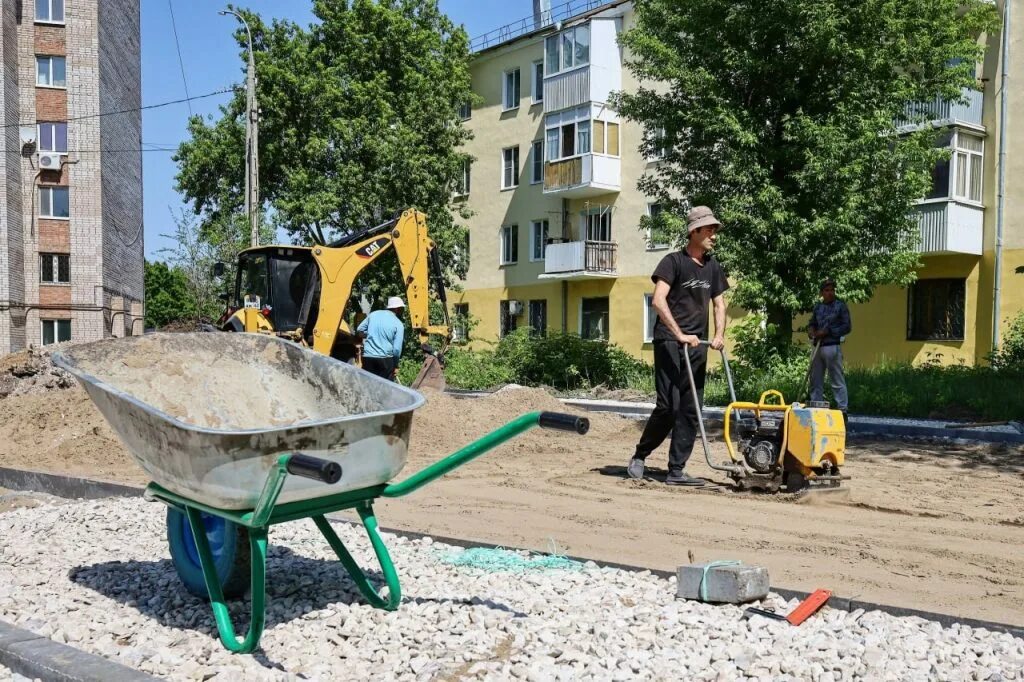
{"x": 383, "y": 332}
{"x": 830, "y": 324}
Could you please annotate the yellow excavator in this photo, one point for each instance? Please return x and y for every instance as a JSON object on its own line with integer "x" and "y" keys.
{"x": 303, "y": 292}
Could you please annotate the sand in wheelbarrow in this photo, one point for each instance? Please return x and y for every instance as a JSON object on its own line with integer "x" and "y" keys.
{"x": 214, "y": 388}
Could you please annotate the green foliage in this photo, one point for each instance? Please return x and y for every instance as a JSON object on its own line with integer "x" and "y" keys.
{"x": 780, "y": 116}
{"x": 167, "y": 298}
{"x": 1010, "y": 355}
{"x": 567, "y": 361}
{"x": 358, "y": 121}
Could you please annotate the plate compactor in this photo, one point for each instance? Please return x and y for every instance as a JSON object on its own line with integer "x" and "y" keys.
{"x": 792, "y": 447}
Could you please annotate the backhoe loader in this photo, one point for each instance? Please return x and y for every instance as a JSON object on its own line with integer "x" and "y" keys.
{"x": 302, "y": 292}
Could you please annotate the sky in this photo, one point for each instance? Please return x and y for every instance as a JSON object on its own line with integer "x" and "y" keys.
{"x": 211, "y": 61}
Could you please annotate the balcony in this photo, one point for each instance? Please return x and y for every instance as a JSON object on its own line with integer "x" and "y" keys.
{"x": 942, "y": 112}
{"x": 950, "y": 227}
{"x": 580, "y": 260}
{"x": 586, "y": 175}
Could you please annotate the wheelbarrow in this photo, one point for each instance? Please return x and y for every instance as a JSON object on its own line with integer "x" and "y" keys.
{"x": 240, "y": 432}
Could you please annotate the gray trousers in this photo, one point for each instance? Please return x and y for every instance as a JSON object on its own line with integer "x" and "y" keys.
{"x": 829, "y": 358}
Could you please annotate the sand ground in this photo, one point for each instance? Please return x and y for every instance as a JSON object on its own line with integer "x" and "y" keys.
{"x": 933, "y": 527}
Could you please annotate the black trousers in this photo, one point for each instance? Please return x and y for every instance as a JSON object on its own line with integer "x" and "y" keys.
{"x": 675, "y": 410}
{"x": 382, "y": 367}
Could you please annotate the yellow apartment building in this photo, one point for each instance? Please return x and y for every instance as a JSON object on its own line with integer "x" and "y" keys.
{"x": 555, "y": 242}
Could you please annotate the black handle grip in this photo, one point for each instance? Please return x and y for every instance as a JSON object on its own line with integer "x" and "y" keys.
{"x": 314, "y": 467}
{"x": 564, "y": 422}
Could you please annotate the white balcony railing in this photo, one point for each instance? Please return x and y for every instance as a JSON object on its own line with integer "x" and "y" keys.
{"x": 944, "y": 112}
{"x": 950, "y": 227}
{"x": 581, "y": 176}
{"x": 581, "y": 258}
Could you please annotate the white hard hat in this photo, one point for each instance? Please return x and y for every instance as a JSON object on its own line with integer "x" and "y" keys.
{"x": 395, "y": 302}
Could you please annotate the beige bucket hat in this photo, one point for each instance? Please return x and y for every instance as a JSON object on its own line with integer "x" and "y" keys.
{"x": 700, "y": 216}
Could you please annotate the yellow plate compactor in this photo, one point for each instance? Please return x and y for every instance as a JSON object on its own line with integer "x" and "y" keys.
{"x": 777, "y": 446}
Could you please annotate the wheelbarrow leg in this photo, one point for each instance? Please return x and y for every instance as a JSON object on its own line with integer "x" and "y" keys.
{"x": 258, "y": 547}
{"x": 362, "y": 582}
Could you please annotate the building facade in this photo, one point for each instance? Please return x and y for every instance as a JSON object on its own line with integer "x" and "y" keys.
{"x": 71, "y": 242}
{"x": 555, "y": 242}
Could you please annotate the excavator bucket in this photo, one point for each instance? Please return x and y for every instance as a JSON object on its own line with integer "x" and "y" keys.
{"x": 431, "y": 375}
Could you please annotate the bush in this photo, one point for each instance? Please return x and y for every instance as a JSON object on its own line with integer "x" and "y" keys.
{"x": 1010, "y": 355}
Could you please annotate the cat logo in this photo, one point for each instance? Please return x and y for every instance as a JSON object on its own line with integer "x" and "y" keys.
{"x": 372, "y": 248}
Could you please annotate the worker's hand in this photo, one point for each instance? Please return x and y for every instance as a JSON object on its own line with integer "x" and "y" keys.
{"x": 821, "y": 333}
{"x": 718, "y": 343}
{"x": 688, "y": 340}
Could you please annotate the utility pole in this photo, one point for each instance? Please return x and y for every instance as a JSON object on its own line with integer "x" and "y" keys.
{"x": 252, "y": 145}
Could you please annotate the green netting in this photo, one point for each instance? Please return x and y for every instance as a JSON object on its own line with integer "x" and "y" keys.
{"x": 499, "y": 559}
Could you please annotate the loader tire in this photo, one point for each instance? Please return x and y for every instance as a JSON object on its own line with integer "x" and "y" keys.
{"x": 229, "y": 544}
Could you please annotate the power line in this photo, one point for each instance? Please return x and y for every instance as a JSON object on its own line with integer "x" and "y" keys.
{"x": 127, "y": 111}
{"x": 177, "y": 45}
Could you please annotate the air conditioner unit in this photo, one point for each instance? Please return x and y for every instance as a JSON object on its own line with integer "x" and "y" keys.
{"x": 50, "y": 160}
{"x": 515, "y": 307}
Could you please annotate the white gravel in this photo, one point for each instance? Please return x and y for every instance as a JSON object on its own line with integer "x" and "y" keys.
{"x": 97, "y": 575}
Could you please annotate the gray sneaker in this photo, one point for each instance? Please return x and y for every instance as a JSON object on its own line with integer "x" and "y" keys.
{"x": 682, "y": 478}
{"x": 635, "y": 468}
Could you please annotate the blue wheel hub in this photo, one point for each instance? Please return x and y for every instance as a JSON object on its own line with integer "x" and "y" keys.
{"x": 216, "y": 532}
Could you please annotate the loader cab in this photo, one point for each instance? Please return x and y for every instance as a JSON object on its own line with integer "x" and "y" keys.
{"x": 274, "y": 279}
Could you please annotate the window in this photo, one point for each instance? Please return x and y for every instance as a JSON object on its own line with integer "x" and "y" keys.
{"x": 650, "y": 317}
{"x": 537, "y": 162}
{"x": 54, "y": 202}
{"x": 597, "y": 224}
{"x": 959, "y": 176}
{"x": 537, "y": 89}
{"x": 935, "y": 310}
{"x": 460, "y": 323}
{"x": 252, "y": 278}
{"x": 50, "y": 10}
{"x": 657, "y": 238}
{"x": 594, "y": 318}
{"x": 466, "y": 111}
{"x": 507, "y": 320}
{"x": 568, "y": 134}
{"x": 509, "y": 245}
{"x": 659, "y": 142}
{"x": 510, "y": 167}
{"x": 56, "y": 331}
{"x": 510, "y": 90}
{"x": 54, "y": 268}
{"x": 51, "y": 72}
{"x": 538, "y": 239}
{"x": 969, "y": 154}
{"x": 53, "y": 137}
{"x": 462, "y": 188}
{"x": 567, "y": 50}
{"x": 539, "y": 317}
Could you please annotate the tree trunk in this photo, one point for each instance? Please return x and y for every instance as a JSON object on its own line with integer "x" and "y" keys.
{"x": 782, "y": 321}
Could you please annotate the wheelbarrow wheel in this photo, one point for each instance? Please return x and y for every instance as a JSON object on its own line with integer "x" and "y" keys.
{"x": 229, "y": 544}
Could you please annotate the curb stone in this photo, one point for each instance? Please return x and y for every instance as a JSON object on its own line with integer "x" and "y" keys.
{"x": 38, "y": 657}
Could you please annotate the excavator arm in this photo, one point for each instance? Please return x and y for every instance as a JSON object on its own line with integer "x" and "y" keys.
{"x": 340, "y": 266}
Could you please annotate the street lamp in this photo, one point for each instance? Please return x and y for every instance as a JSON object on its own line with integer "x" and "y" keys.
{"x": 252, "y": 164}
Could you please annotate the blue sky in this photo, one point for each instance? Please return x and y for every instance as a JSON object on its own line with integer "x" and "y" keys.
{"x": 212, "y": 62}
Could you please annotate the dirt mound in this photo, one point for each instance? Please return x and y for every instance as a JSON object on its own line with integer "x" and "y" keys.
{"x": 61, "y": 431}
{"x": 31, "y": 371}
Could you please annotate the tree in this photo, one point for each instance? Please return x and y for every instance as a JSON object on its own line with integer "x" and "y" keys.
{"x": 166, "y": 295}
{"x": 780, "y": 115}
{"x": 358, "y": 121}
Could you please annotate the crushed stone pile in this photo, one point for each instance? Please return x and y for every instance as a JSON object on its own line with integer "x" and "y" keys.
{"x": 97, "y": 575}
{"x": 30, "y": 372}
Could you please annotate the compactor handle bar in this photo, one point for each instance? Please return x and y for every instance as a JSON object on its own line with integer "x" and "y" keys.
{"x": 685, "y": 352}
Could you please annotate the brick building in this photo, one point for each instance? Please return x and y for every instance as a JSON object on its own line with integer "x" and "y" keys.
{"x": 71, "y": 242}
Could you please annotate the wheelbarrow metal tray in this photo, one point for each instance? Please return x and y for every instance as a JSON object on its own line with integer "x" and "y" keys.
{"x": 207, "y": 415}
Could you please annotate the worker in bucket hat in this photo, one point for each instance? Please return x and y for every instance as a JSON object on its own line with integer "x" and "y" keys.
{"x": 383, "y": 332}
{"x": 686, "y": 282}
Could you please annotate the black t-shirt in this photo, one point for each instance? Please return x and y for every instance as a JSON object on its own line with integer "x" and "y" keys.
{"x": 691, "y": 288}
